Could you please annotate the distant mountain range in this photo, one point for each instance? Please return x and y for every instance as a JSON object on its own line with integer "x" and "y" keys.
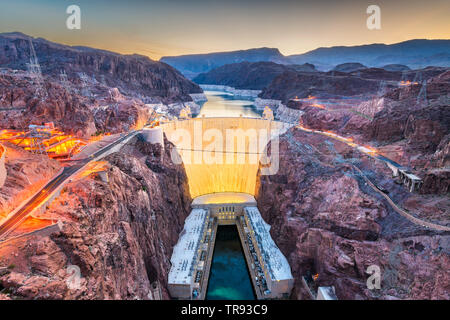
{"x": 414, "y": 54}
{"x": 248, "y": 75}
{"x": 192, "y": 65}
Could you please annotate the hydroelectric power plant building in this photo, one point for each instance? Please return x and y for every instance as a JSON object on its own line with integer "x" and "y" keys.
{"x": 191, "y": 258}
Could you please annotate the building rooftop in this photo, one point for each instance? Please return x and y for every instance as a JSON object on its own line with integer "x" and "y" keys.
{"x": 184, "y": 252}
{"x": 274, "y": 260}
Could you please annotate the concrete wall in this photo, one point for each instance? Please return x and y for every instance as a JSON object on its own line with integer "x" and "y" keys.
{"x": 280, "y": 289}
{"x": 179, "y": 291}
{"x": 234, "y": 168}
{"x": 2, "y": 165}
{"x": 153, "y": 135}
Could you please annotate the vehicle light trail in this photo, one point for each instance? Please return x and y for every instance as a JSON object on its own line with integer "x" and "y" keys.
{"x": 349, "y": 141}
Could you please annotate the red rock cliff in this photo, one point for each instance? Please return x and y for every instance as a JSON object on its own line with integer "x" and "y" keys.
{"x": 119, "y": 233}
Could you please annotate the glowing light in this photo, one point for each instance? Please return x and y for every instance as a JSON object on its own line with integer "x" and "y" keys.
{"x": 225, "y": 197}
{"x": 140, "y": 123}
{"x": 57, "y": 145}
{"x": 93, "y": 167}
{"x": 348, "y": 141}
{"x": 407, "y": 83}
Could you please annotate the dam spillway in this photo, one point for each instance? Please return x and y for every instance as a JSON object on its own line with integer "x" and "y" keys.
{"x": 222, "y": 154}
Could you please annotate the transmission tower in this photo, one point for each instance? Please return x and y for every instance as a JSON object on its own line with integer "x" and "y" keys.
{"x": 84, "y": 84}
{"x": 422, "y": 96}
{"x": 35, "y": 72}
{"x": 65, "y": 81}
{"x": 382, "y": 89}
{"x": 418, "y": 77}
{"x": 404, "y": 76}
{"x": 37, "y": 137}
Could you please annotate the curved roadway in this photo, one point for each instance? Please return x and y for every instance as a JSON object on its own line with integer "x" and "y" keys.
{"x": 15, "y": 219}
{"x": 396, "y": 208}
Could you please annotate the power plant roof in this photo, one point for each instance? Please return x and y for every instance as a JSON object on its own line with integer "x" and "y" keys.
{"x": 184, "y": 252}
{"x": 274, "y": 259}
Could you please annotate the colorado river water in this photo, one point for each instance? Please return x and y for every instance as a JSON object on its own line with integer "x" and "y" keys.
{"x": 229, "y": 278}
{"x": 222, "y": 104}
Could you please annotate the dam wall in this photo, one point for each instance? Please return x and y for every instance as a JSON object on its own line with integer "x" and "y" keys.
{"x": 222, "y": 154}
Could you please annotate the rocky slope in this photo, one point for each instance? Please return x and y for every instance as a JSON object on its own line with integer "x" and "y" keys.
{"x": 292, "y": 84}
{"x": 349, "y": 67}
{"x": 20, "y": 106}
{"x": 119, "y": 234}
{"x": 361, "y": 82}
{"x": 133, "y": 74}
{"x": 70, "y": 111}
{"x": 395, "y": 67}
{"x": 248, "y": 75}
{"x": 327, "y": 221}
{"x": 419, "y": 129}
{"x": 399, "y": 120}
{"x": 26, "y": 173}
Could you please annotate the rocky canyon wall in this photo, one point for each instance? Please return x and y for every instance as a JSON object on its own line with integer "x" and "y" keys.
{"x": 327, "y": 221}
{"x": 118, "y": 233}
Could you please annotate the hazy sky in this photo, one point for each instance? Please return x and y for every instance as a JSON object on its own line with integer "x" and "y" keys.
{"x": 173, "y": 27}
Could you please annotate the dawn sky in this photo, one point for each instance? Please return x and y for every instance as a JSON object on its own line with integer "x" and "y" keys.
{"x": 159, "y": 28}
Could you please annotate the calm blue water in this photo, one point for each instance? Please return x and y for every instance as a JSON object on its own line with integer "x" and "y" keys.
{"x": 222, "y": 104}
{"x": 229, "y": 278}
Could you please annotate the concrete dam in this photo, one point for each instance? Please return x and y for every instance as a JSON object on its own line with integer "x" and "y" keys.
{"x": 223, "y": 154}
{"x": 221, "y": 157}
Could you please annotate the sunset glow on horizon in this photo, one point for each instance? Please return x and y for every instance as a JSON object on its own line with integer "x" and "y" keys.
{"x": 161, "y": 28}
